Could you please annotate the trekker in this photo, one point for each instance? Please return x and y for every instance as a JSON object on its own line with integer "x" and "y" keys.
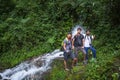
{"x": 88, "y": 44}
{"x": 67, "y": 46}
{"x": 78, "y": 45}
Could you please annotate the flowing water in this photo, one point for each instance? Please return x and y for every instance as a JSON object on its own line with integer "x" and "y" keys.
{"x": 30, "y": 69}
{"x": 33, "y": 69}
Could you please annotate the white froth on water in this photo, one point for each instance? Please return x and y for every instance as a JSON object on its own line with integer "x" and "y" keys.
{"x": 28, "y": 68}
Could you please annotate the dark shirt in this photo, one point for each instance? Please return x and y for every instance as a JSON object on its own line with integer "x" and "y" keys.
{"x": 78, "y": 40}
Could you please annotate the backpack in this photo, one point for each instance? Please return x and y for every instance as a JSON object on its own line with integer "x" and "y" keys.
{"x": 62, "y": 49}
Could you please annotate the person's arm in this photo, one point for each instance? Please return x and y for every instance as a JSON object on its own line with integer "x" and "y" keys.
{"x": 73, "y": 43}
{"x": 83, "y": 42}
{"x": 93, "y": 37}
{"x": 73, "y": 40}
{"x": 64, "y": 46}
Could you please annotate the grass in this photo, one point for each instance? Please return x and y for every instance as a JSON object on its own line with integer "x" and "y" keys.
{"x": 10, "y": 59}
{"x": 103, "y": 69}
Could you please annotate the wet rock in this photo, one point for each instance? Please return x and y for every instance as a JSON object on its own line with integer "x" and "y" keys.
{"x": 33, "y": 77}
{"x": 61, "y": 55}
{"x": 6, "y": 79}
{"x": 0, "y": 77}
{"x": 38, "y": 63}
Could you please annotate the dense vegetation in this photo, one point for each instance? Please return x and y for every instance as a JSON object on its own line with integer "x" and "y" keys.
{"x": 32, "y": 27}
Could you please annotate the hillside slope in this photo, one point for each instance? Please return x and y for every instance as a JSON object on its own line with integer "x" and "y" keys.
{"x": 32, "y": 27}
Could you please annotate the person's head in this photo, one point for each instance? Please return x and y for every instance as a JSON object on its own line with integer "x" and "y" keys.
{"x": 79, "y": 30}
{"x": 69, "y": 35}
{"x": 88, "y": 32}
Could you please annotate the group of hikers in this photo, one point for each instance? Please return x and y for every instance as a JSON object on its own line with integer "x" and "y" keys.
{"x": 79, "y": 42}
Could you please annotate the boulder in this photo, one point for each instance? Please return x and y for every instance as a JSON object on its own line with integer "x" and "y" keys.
{"x": 0, "y": 77}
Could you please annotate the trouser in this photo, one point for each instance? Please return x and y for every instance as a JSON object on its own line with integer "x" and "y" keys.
{"x": 68, "y": 55}
{"x": 93, "y": 51}
{"x": 77, "y": 49}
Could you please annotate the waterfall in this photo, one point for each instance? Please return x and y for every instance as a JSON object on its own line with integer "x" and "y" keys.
{"x": 29, "y": 69}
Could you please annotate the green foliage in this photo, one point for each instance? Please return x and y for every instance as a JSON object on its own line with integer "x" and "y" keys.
{"x": 32, "y": 27}
{"x": 57, "y": 73}
{"x": 106, "y": 67}
{"x": 115, "y": 76}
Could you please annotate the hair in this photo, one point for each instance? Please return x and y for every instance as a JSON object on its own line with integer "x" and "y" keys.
{"x": 79, "y": 29}
{"x": 69, "y": 33}
{"x": 87, "y": 30}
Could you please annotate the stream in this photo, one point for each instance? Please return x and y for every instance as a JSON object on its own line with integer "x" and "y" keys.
{"x": 35, "y": 68}
{"x": 31, "y": 69}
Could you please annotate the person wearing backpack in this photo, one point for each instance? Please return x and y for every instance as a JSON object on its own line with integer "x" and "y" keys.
{"x": 88, "y": 44}
{"x": 78, "y": 45}
{"x": 67, "y": 46}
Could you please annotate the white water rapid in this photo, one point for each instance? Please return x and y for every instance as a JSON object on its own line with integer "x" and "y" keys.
{"x": 33, "y": 69}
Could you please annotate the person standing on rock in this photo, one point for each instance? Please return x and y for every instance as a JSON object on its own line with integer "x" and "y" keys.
{"x": 88, "y": 44}
{"x": 78, "y": 45}
{"x": 67, "y": 46}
